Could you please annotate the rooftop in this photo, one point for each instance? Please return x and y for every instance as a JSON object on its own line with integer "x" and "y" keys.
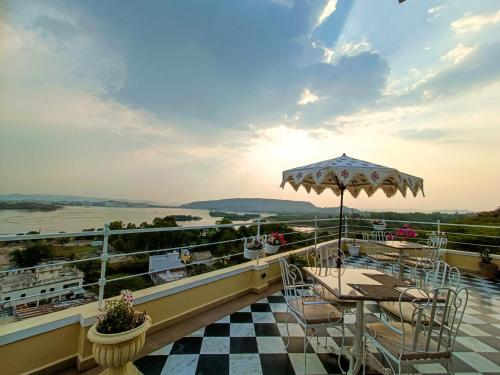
{"x": 250, "y": 339}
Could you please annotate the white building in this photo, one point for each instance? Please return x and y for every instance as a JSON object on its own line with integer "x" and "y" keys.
{"x": 50, "y": 283}
{"x": 166, "y": 268}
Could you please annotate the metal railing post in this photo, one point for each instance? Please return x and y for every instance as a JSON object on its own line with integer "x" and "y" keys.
{"x": 439, "y": 227}
{"x": 258, "y": 228}
{"x": 315, "y": 232}
{"x": 346, "y": 230}
{"x": 104, "y": 261}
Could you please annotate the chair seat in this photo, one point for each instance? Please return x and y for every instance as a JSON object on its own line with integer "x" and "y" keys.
{"x": 332, "y": 298}
{"x": 392, "y": 309}
{"x": 392, "y": 341}
{"x": 316, "y": 313}
{"x": 393, "y": 255}
{"x": 382, "y": 258}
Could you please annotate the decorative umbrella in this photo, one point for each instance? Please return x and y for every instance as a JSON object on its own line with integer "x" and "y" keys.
{"x": 346, "y": 173}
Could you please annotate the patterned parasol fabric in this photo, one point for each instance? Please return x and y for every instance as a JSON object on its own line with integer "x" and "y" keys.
{"x": 353, "y": 175}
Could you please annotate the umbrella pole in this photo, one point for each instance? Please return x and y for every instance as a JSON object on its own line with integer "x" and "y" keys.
{"x": 339, "y": 251}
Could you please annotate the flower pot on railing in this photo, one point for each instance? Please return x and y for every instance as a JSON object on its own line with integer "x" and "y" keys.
{"x": 273, "y": 242}
{"x": 379, "y": 225}
{"x": 252, "y": 248}
{"x": 271, "y": 249}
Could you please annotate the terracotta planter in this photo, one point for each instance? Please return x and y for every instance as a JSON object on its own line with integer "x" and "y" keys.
{"x": 271, "y": 249}
{"x": 488, "y": 270}
{"x": 115, "y": 351}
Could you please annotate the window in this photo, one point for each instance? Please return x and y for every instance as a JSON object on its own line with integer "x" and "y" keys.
{"x": 23, "y": 295}
{"x": 65, "y": 286}
{"x": 7, "y": 299}
{"x": 43, "y": 291}
{"x": 51, "y": 289}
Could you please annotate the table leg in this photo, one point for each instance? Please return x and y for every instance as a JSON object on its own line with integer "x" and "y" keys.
{"x": 401, "y": 266}
{"x": 357, "y": 347}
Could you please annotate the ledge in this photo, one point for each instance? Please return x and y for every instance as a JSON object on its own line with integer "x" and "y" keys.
{"x": 86, "y": 314}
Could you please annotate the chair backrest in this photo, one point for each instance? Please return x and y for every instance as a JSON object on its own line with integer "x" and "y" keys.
{"x": 379, "y": 236}
{"x": 436, "y": 319}
{"x": 324, "y": 257}
{"x": 438, "y": 245}
{"x": 293, "y": 285}
{"x": 438, "y": 274}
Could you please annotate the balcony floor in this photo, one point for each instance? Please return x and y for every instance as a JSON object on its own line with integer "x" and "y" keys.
{"x": 251, "y": 341}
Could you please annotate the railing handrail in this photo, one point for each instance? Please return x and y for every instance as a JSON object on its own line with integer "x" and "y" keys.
{"x": 106, "y": 233}
{"x": 112, "y": 232}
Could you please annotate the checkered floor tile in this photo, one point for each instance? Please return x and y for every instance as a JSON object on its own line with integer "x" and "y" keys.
{"x": 251, "y": 341}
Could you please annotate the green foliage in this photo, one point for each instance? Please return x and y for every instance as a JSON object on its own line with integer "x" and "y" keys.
{"x": 113, "y": 288}
{"x": 31, "y": 255}
{"x": 486, "y": 256}
{"x": 119, "y": 316}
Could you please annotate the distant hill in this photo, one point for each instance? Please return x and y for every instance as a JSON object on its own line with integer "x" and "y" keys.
{"x": 260, "y": 205}
{"x": 73, "y": 200}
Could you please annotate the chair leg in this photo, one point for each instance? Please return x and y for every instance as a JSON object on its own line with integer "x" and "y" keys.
{"x": 305, "y": 353}
{"x": 341, "y": 349}
{"x": 288, "y": 329}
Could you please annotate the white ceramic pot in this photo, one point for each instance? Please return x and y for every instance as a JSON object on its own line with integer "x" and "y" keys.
{"x": 271, "y": 249}
{"x": 116, "y": 351}
{"x": 379, "y": 226}
{"x": 250, "y": 253}
{"x": 353, "y": 250}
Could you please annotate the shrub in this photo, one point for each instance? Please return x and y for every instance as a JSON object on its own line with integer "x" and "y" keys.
{"x": 119, "y": 316}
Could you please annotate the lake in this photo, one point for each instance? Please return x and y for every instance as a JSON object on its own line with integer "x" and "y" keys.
{"x": 75, "y": 218}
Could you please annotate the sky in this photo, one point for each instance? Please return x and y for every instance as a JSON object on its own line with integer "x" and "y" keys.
{"x": 176, "y": 101}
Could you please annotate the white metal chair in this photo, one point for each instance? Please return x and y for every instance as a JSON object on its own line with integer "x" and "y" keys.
{"x": 428, "y": 337}
{"x": 316, "y": 258}
{"x": 429, "y": 277}
{"x": 437, "y": 245}
{"x": 310, "y": 311}
{"x": 376, "y": 254}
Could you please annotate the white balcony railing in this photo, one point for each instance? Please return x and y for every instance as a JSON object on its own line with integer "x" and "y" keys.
{"x": 300, "y": 232}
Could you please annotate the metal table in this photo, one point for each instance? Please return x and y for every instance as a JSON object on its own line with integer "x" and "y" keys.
{"x": 359, "y": 285}
{"x": 401, "y": 247}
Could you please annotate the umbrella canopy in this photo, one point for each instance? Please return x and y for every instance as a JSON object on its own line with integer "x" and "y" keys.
{"x": 353, "y": 175}
{"x": 346, "y": 173}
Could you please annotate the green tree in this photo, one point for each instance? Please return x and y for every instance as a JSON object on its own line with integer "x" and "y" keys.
{"x": 31, "y": 255}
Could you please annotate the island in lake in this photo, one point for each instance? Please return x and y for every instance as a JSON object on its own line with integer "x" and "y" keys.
{"x": 185, "y": 217}
{"x": 233, "y": 216}
{"x": 29, "y": 206}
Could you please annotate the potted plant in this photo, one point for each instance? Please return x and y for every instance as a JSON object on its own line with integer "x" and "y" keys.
{"x": 406, "y": 232}
{"x": 252, "y": 247}
{"x": 273, "y": 243}
{"x": 379, "y": 224}
{"x": 119, "y": 334}
{"x": 487, "y": 269}
{"x": 353, "y": 248}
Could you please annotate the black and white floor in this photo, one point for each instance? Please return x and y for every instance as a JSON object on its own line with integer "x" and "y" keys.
{"x": 251, "y": 341}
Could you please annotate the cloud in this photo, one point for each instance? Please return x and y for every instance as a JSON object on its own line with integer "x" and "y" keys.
{"x": 435, "y": 12}
{"x": 457, "y": 54}
{"x": 422, "y": 134}
{"x": 474, "y": 23}
{"x": 329, "y": 8}
{"x": 388, "y": 118}
{"x": 307, "y": 98}
{"x": 469, "y": 67}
